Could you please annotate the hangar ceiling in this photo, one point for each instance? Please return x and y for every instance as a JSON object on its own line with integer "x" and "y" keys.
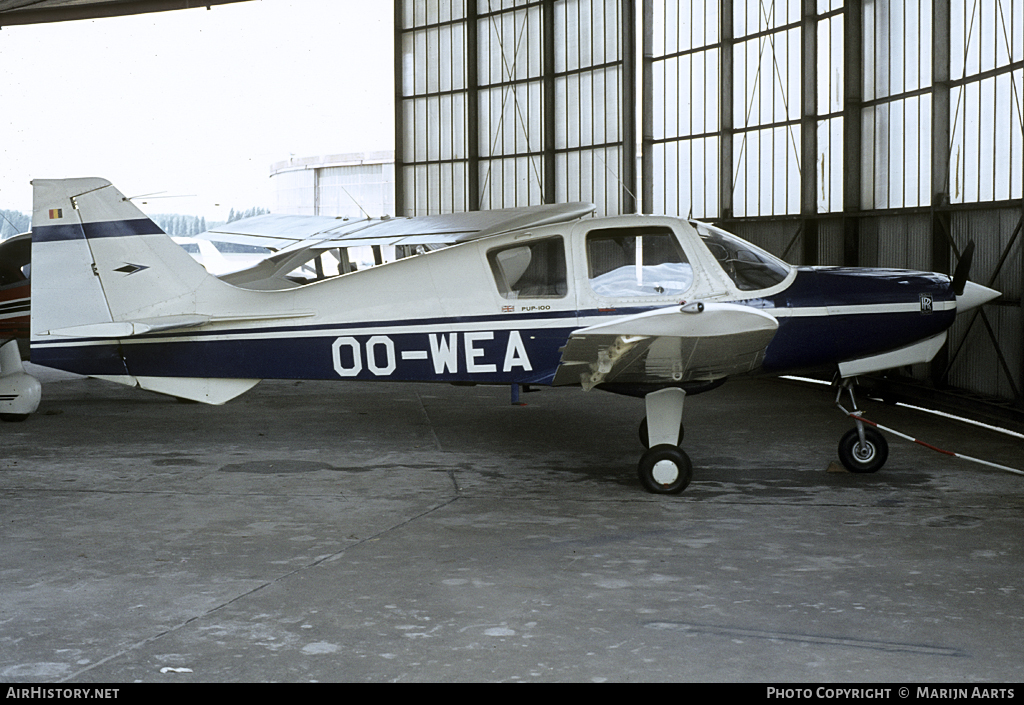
{"x": 14, "y": 12}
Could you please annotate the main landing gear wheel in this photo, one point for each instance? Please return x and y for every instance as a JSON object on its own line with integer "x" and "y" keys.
{"x": 665, "y": 469}
{"x": 868, "y": 456}
{"x": 645, "y": 439}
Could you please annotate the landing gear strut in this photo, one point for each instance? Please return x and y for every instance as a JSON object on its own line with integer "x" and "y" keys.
{"x": 664, "y": 468}
{"x": 861, "y": 449}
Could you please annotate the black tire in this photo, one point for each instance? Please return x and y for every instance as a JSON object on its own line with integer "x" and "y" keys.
{"x": 13, "y": 418}
{"x": 867, "y": 458}
{"x": 645, "y": 440}
{"x": 665, "y": 469}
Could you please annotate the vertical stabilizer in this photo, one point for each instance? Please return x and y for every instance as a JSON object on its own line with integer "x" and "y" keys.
{"x": 96, "y": 258}
{"x": 103, "y": 272}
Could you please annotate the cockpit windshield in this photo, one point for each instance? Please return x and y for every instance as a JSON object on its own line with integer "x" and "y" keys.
{"x": 750, "y": 267}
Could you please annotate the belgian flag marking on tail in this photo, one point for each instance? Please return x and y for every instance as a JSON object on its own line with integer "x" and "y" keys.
{"x": 56, "y": 213}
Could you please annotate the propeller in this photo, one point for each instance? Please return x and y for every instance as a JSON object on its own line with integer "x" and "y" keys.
{"x": 963, "y": 269}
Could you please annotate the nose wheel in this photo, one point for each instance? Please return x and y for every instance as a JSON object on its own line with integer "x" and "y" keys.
{"x": 867, "y": 455}
{"x": 861, "y": 449}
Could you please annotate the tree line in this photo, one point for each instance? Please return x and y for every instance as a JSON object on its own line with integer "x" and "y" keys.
{"x": 15, "y": 222}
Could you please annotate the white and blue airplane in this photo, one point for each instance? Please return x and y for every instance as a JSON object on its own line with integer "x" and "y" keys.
{"x": 646, "y": 306}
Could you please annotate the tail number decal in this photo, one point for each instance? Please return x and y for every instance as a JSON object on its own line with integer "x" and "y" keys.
{"x": 379, "y": 355}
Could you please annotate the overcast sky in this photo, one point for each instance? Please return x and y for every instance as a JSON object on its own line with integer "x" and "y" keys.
{"x": 195, "y": 103}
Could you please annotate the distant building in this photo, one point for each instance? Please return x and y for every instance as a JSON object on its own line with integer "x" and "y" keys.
{"x": 349, "y": 185}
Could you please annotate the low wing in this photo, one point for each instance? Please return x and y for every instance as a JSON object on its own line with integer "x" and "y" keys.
{"x": 676, "y": 344}
{"x": 289, "y": 232}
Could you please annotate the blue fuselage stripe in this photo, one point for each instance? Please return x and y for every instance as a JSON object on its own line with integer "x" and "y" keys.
{"x": 506, "y": 348}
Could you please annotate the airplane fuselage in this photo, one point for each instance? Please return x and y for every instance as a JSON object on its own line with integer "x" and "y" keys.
{"x": 448, "y": 316}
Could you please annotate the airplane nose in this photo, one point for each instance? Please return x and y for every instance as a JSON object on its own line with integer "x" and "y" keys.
{"x": 975, "y": 295}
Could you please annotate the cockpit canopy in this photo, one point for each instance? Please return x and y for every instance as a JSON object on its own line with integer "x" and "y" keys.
{"x": 635, "y": 260}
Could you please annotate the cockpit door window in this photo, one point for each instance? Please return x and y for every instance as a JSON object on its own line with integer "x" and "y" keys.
{"x": 637, "y": 262}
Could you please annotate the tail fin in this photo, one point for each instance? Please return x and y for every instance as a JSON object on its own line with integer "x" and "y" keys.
{"x": 97, "y": 259}
{"x": 103, "y": 271}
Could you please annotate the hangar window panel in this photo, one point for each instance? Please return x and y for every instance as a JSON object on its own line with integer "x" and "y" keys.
{"x": 896, "y": 119}
{"x": 509, "y": 45}
{"x": 689, "y": 86}
{"x": 987, "y": 118}
{"x": 509, "y": 182}
{"x": 986, "y": 35}
{"x": 766, "y": 109}
{"x": 987, "y": 143}
{"x": 510, "y": 120}
{"x": 685, "y": 116}
{"x": 688, "y": 177}
{"x": 897, "y": 47}
{"x": 419, "y": 12}
{"x": 587, "y": 28}
{"x": 510, "y": 102}
{"x": 684, "y": 26}
{"x": 830, "y": 92}
{"x": 586, "y": 100}
{"x": 580, "y": 175}
{"x": 767, "y": 172}
{"x": 752, "y": 17}
{"x": 589, "y": 106}
{"x": 433, "y": 111}
{"x": 510, "y": 89}
{"x": 830, "y": 166}
{"x": 767, "y": 76}
{"x": 830, "y": 65}
{"x": 897, "y": 158}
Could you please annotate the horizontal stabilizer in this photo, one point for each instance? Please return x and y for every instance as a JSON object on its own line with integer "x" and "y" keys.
{"x": 127, "y": 329}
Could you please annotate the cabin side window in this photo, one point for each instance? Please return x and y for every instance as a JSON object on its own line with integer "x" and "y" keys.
{"x": 629, "y": 262}
{"x": 530, "y": 270}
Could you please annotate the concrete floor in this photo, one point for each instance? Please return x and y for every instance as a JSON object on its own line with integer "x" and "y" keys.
{"x": 372, "y": 532}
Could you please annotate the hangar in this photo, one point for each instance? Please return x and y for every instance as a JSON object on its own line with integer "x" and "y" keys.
{"x": 856, "y": 133}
